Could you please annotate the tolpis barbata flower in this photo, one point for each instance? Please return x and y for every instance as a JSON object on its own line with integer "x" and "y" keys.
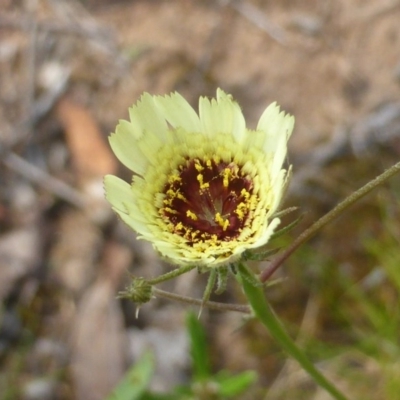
{"x": 205, "y": 188}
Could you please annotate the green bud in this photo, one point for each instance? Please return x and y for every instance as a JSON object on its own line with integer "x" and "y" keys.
{"x": 139, "y": 291}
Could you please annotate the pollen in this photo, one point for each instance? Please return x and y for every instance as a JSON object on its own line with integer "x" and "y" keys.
{"x": 170, "y": 210}
{"x": 209, "y": 202}
{"x": 192, "y": 215}
{"x": 198, "y": 166}
{"x": 174, "y": 178}
{"x": 245, "y": 194}
{"x": 241, "y": 210}
{"x": 223, "y": 223}
{"x": 203, "y": 185}
{"x": 180, "y": 196}
{"x": 226, "y": 174}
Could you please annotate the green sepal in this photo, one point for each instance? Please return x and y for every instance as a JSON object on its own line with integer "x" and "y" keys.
{"x": 222, "y": 279}
{"x": 209, "y": 287}
{"x": 286, "y": 228}
{"x": 284, "y": 212}
{"x": 140, "y": 291}
{"x": 249, "y": 255}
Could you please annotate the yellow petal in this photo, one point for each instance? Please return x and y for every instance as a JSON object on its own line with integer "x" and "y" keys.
{"x": 222, "y": 115}
{"x": 124, "y": 144}
{"x": 178, "y": 112}
{"x": 147, "y": 117}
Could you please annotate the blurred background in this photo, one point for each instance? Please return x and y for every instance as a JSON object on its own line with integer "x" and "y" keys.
{"x": 70, "y": 69}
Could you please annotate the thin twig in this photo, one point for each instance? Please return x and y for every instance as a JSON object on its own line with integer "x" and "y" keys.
{"x": 31, "y": 51}
{"x": 254, "y": 15}
{"x": 42, "y": 178}
{"x": 74, "y": 29}
{"x": 330, "y": 216}
{"x": 198, "y": 302}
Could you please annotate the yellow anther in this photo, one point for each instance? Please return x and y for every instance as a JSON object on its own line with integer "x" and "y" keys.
{"x": 174, "y": 178}
{"x": 241, "y": 210}
{"x": 167, "y": 202}
{"x": 226, "y": 175}
{"x": 179, "y": 226}
{"x": 198, "y": 166}
{"x": 170, "y": 210}
{"x": 203, "y": 185}
{"x": 223, "y": 223}
{"x": 245, "y": 194}
{"x": 208, "y": 163}
{"x": 171, "y": 193}
{"x": 239, "y": 213}
{"x": 191, "y": 215}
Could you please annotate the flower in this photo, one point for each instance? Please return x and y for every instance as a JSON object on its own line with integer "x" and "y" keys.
{"x": 205, "y": 188}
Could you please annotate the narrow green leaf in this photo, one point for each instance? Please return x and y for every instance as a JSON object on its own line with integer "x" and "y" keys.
{"x": 286, "y": 228}
{"x": 135, "y": 381}
{"x": 267, "y": 317}
{"x": 201, "y": 365}
{"x": 259, "y": 256}
{"x": 222, "y": 275}
{"x": 233, "y": 385}
{"x": 212, "y": 277}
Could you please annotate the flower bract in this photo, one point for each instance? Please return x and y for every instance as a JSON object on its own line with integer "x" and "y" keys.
{"x": 205, "y": 188}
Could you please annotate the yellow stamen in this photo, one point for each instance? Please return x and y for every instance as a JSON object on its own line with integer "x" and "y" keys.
{"x": 245, "y": 194}
{"x": 171, "y": 193}
{"x": 191, "y": 215}
{"x": 180, "y": 196}
{"x": 203, "y": 185}
{"x": 198, "y": 166}
{"x": 223, "y": 223}
{"x": 241, "y": 209}
{"x": 226, "y": 175}
{"x": 174, "y": 178}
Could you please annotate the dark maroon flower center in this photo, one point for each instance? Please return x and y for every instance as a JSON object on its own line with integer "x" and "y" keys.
{"x": 208, "y": 200}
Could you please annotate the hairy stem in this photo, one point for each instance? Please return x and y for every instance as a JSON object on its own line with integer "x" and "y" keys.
{"x": 198, "y": 302}
{"x": 170, "y": 275}
{"x": 331, "y": 215}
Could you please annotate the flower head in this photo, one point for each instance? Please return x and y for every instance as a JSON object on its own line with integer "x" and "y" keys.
{"x": 205, "y": 187}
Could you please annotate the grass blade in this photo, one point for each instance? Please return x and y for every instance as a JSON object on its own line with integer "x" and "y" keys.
{"x": 267, "y": 317}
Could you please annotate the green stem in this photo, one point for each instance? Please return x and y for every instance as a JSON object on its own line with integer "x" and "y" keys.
{"x": 267, "y": 317}
{"x": 213, "y": 305}
{"x": 331, "y": 215}
{"x": 170, "y": 275}
{"x": 210, "y": 284}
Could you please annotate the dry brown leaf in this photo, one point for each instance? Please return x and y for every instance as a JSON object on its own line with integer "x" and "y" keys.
{"x": 91, "y": 155}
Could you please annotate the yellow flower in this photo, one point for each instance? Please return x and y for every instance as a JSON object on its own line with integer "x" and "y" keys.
{"x": 205, "y": 187}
